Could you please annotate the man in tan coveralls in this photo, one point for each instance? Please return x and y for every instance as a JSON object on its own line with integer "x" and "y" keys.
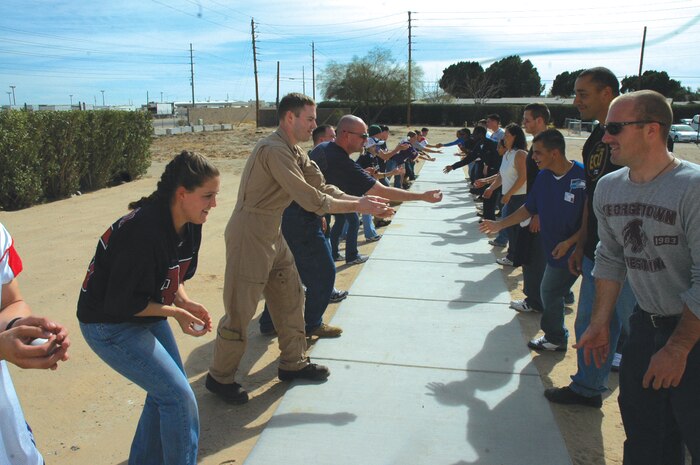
{"x": 258, "y": 260}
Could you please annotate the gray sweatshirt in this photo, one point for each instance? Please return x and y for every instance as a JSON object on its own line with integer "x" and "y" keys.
{"x": 651, "y": 233}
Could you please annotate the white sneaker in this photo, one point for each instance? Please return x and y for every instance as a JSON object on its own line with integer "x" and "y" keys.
{"x": 504, "y": 261}
{"x": 521, "y": 306}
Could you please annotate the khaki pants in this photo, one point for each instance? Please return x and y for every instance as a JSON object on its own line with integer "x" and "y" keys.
{"x": 258, "y": 263}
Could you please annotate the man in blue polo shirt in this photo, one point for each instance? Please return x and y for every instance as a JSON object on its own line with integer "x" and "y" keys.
{"x": 340, "y": 170}
{"x": 558, "y": 197}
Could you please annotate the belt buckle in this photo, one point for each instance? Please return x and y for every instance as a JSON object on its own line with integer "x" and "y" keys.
{"x": 656, "y": 320}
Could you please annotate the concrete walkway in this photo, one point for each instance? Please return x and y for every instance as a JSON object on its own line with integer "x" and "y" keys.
{"x": 432, "y": 367}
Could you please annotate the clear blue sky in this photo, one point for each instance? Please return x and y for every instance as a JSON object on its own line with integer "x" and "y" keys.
{"x": 50, "y": 50}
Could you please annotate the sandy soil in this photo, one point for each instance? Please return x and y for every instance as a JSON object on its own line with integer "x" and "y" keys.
{"x": 85, "y": 413}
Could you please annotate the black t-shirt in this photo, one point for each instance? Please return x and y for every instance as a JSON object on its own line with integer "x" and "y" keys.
{"x": 139, "y": 259}
{"x": 596, "y": 162}
{"x": 340, "y": 170}
{"x": 532, "y": 170}
{"x": 487, "y": 151}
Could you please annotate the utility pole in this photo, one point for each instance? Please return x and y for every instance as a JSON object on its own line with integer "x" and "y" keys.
{"x": 408, "y": 106}
{"x": 303, "y": 81}
{"x": 641, "y": 60}
{"x": 9, "y": 96}
{"x": 103, "y": 97}
{"x": 14, "y": 102}
{"x": 192, "y": 74}
{"x": 71, "y": 100}
{"x": 277, "y": 101}
{"x": 255, "y": 71}
{"x": 313, "y": 71}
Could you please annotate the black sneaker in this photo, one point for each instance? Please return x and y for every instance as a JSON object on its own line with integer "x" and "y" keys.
{"x": 312, "y": 372}
{"x": 338, "y": 296}
{"x": 566, "y": 396}
{"x": 231, "y": 393}
{"x": 541, "y": 343}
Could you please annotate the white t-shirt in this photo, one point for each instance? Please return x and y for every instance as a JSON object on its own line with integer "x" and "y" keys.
{"x": 509, "y": 174}
{"x": 17, "y": 446}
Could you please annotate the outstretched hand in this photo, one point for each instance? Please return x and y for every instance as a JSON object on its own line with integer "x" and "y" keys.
{"x": 375, "y": 206}
{"x": 447, "y": 169}
{"x": 434, "y": 196}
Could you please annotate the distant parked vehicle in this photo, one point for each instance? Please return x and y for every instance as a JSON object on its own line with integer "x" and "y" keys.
{"x": 686, "y": 121}
{"x": 683, "y": 133}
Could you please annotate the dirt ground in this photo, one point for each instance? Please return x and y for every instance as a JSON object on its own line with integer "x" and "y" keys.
{"x": 85, "y": 413}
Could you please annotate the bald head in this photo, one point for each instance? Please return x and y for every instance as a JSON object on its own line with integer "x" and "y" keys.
{"x": 351, "y": 133}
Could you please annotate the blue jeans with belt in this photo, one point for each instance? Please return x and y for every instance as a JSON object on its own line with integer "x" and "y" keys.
{"x": 146, "y": 353}
{"x": 657, "y": 422}
{"x": 312, "y": 257}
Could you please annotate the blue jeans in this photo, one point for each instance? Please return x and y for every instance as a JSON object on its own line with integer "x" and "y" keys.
{"x": 312, "y": 257}
{"x": 509, "y": 235}
{"x": 368, "y": 227}
{"x": 390, "y": 166}
{"x": 146, "y": 353}
{"x": 556, "y": 283}
{"x": 353, "y": 221}
{"x": 657, "y": 422}
{"x": 590, "y": 380}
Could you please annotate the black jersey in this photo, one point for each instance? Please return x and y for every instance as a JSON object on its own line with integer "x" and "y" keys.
{"x": 596, "y": 162}
{"x": 139, "y": 259}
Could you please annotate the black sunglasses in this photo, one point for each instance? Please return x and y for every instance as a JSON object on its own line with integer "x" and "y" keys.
{"x": 616, "y": 128}
{"x": 363, "y": 135}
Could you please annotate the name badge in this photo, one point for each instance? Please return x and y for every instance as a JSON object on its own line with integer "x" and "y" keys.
{"x": 569, "y": 197}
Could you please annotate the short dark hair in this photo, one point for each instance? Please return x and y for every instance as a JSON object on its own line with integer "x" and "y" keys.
{"x": 319, "y": 132}
{"x": 480, "y": 130}
{"x": 425, "y": 130}
{"x": 384, "y": 127}
{"x": 552, "y": 139}
{"x": 602, "y": 77}
{"x": 411, "y": 134}
{"x": 294, "y": 102}
{"x": 538, "y": 110}
{"x": 494, "y": 117}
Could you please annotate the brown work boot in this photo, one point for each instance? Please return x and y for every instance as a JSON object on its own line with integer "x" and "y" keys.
{"x": 326, "y": 331}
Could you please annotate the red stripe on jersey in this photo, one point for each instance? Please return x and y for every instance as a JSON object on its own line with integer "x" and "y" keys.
{"x": 13, "y": 260}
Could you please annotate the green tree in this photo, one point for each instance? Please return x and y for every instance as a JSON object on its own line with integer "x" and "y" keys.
{"x": 456, "y": 78}
{"x": 563, "y": 85}
{"x": 516, "y": 77}
{"x": 376, "y": 79}
{"x": 655, "y": 80}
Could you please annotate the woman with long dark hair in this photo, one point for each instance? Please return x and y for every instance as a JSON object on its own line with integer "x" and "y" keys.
{"x": 133, "y": 284}
{"x": 511, "y": 177}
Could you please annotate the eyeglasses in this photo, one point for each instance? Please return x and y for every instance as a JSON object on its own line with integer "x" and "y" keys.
{"x": 616, "y": 128}
{"x": 363, "y": 135}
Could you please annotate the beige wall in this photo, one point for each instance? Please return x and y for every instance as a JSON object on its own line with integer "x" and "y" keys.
{"x": 230, "y": 115}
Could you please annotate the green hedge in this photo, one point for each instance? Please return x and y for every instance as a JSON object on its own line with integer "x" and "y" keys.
{"x": 50, "y": 155}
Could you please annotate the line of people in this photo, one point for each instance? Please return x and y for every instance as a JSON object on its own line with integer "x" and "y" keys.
{"x": 625, "y": 221}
